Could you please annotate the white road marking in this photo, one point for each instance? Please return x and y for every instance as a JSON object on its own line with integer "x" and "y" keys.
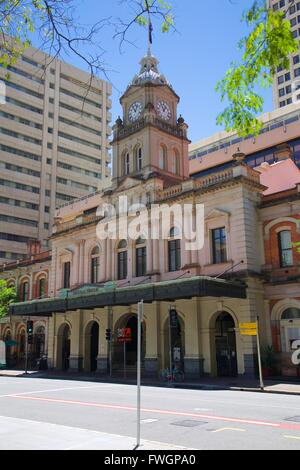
{"x": 149, "y": 421}
{"x": 48, "y": 390}
{"x": 203, "y": 409}
{"x": 293, "y": 437}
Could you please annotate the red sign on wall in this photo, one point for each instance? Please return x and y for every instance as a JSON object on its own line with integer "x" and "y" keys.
{"x": 124, "y": 335}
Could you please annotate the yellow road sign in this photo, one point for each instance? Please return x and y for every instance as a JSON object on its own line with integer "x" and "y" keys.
{"x": 248, "y": 332}
{"x": 248, "y": 326}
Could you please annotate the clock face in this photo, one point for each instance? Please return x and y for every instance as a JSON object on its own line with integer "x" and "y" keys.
{"x": 135, "y": 111}
{"x": 164, "y": 110}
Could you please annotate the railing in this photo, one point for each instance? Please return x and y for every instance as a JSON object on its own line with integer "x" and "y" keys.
{"x": 120, "y": 132}
{"x": 216, "y": 178}
{"x": 211, "y": 180}
{"x": 79, "y": 221}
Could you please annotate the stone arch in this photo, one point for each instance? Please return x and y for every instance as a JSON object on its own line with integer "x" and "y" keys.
{"x": 91, "y": 345}
{"x": 23, "y": 280}
{"x": 128, "y": 320}
{"x": 7, "y": 336}
{"x": 125, "y": 162}
{"x": 280, "y": 220}
{"x": 224, "y": 343}
{"x": 138, "y": 157}
{"x": 178, "y": 342}
{"x": 11, "y": 282}
{"x": 21, "y": 343}
{"x": 39, "y": 340}
{"x": 175, "y": 161}
{"x": 281, "y": 306}
{"x": 163, "y": 157}
{"x": 40, "y": 276}
{"x": 278, "y": 324}
{"x": 63, "y": 346}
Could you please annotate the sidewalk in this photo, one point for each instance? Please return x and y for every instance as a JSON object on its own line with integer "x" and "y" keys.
{"x": 278, "y": 386}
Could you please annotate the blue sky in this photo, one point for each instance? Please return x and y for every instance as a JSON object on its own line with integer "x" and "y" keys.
{"x": 193, "y": 59}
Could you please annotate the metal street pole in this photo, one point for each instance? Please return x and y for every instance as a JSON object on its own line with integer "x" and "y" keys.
{"x": 139, "y": 348}
{"x": 170, "y": 345}
{"x": 110, "y": 324}
{"x": 26, "y": 354}
{"x": 259, "y": 357}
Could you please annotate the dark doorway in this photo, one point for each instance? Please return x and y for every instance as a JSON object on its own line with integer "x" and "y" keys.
{"x": 94, "y": 346}
{"x": 66, "y": 348}
{"x": 225, "y": 341}
{"x": 131, "y": 348}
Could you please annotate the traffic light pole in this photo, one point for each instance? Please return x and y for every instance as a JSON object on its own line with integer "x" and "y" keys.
{"x": 26, "y": 354}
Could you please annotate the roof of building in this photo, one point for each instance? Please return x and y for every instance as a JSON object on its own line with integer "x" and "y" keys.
{"x": 149, "y": 72}
{"x": 279, "y": 177}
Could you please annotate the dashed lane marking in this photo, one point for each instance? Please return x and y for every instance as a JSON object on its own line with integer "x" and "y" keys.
{"x": 229, "y": 429}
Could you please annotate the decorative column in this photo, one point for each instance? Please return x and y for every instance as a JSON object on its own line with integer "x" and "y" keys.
{"x": 76, "y": 356}
{"x": 109, "y": 259}
{"x": 149, "y": 255}
{"x": 155, "y": 252}
{"x": 106, "y": 322}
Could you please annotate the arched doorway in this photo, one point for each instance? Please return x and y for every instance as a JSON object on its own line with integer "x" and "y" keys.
{"x": 225, "y": 343}
{"x": 8, "y": 348}
{"x": 63, "y": 347}
{"x": 39, "y": 342}
{"x": 177, "y": 333}
{"x": 91, "y": 347}
{"x": 131, "y": 347}
{"x": 21, "y": 340}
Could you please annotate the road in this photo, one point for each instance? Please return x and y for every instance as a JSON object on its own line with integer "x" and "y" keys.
{"x": 64, "y": 414}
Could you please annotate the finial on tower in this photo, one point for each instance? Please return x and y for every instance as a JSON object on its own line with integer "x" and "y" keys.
{"x": 150, "y": 38}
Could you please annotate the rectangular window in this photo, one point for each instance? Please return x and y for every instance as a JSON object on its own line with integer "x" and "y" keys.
{"x": 141, "y": 262}
{"x": 174, "y": 255}
{"x": 122, "y": 265}
{"x": 219, "y": 246}
{"x": 285, "y": 248}
{"x": 66, "y": 275}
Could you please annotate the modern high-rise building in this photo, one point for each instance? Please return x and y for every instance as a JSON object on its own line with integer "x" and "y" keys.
{"x": 54, "y": 145}
{"x": 286, "y": 86}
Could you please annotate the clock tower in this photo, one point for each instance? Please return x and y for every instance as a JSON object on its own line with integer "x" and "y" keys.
{"x": 150, "y": 140}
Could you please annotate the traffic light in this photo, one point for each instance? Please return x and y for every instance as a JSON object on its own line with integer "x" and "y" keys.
{"x": 30, "y": 331}
{"x": 29, "y": 327}
{"x": 108, "y": 334}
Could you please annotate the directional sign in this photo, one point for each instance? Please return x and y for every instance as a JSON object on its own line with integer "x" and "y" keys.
{"x": 248, "y": 326}
{"x": 248, "y": 332}
{"x": 124, "y": 335}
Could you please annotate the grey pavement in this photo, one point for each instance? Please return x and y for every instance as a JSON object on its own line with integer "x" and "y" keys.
{"x": 43, "y": 413}
{"x": 278, "y": 386}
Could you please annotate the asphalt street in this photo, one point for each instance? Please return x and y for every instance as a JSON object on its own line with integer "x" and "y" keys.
{"x": 64, "y": 414}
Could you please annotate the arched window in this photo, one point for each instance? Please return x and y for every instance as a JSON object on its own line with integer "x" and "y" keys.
{"x": 291, "y": 314}
{"x": 126, "y": 164}
{"x": 138, "y": 158}
{"x": 140, "y": 257}
{"x": 290, "y": 328}
{"x": 95, "y": 264}
{"x": 285, "y": 248}
{"x": 24, "y": 291}
{"x": 42, "y": 288}
{"x": 162, "y": 157}
{"x": 122, "y": 260}
{"x": 175, "y": 162}
{"x": 174, "y": 250}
